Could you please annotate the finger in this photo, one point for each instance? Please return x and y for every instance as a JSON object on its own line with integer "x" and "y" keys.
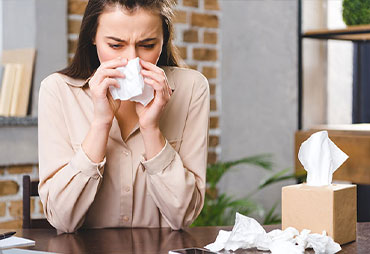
{"x": 153, "y": 83}
{"x": 160, "y": 91}
{"x": 104, "y": 73}
{"x": 153, "y": 75}
{"x": 107, "y": 82}
{"x": 151, "y": 67}
{"x": 114, "y": 63}
{"x": 101, "y": 74}
{"x": 161, "y": 79}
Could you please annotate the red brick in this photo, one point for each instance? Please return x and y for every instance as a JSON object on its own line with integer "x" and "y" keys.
{"x": 15, "y": 209}
{"x": 191, "y": 3}
{"x": 180, "y": 17}
{"x": 210, "y": 37}
{"x": 204, "y": 54}
{"x": 191, "y": 36}
{"x": 213, "y": 122}
{"x": 210, "y": 72}
{"x": 74, "y": 26}
{"x": 212, "y": 89}
{"x": 211, "y": 5}
{"x": 20, "y": 169}
{"x": 77, "y": 6}
{"x": 213, "y": 105}
{"x": 204, "y": 20}
{"x": 212, "y": 158}
{"x": 8, "y": 188}
{"x": 2, "y": 209}
{"x": 214, "y": 141}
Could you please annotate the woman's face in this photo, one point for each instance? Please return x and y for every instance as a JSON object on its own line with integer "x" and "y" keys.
{"x": 129, "y": 35}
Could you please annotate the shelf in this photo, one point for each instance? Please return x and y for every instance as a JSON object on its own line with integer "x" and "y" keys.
{"x": 351, "y": 33}
{"x": 18, "y": 121}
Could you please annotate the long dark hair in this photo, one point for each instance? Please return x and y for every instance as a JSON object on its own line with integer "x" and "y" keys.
{"x": 86, "y": 61}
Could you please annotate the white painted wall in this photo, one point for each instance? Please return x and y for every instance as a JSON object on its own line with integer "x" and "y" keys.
{"x": 314, "y": 16}
{"x": 259, "y": 90}
{"x": 1, "y": 26}
{"x": 340, "y": 71}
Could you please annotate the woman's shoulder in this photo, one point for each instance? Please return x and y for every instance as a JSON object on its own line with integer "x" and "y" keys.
{"x": 58, "y": 80}
{"x": 181, "y": 75}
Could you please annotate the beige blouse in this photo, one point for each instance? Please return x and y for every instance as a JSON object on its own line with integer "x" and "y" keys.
{"x": 124, "y": 190}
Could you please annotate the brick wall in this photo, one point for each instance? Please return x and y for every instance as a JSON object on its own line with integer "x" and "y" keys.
{"x": 11, "y": 196}
{"x": 197, "y": 37}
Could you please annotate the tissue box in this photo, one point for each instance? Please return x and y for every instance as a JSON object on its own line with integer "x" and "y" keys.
{"x": 332, "y": 208}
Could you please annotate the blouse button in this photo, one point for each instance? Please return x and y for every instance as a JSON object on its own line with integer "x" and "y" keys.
{"x": 125, "y": 218}
{"x": 127, "y": 189}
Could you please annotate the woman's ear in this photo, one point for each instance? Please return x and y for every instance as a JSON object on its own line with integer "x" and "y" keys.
{"x": 93, "y": 42}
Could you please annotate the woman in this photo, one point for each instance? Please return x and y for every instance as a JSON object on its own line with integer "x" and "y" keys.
{"x": 106, "y": 163}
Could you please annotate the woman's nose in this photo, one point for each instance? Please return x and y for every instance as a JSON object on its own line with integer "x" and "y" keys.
{"x": 131, "y": 53}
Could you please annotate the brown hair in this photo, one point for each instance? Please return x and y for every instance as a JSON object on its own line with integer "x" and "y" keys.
{"x": 86, "y": 61}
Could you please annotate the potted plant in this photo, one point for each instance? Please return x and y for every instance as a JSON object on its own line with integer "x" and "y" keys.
{"x": 356, "y": 12}
{"x": 220, "y": 208}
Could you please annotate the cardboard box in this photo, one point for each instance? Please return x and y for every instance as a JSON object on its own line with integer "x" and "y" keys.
{"x": 332, "y": 208}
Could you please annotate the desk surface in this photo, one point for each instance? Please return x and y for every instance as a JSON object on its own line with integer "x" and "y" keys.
{"x": 151, "y": 241}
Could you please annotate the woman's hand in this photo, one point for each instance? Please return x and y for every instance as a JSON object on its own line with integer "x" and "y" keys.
{"x": 104, "y": 76}
{"x": 155, "y": 77}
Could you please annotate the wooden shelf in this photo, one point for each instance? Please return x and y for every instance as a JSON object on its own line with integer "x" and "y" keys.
{"x": 350, "y": 33}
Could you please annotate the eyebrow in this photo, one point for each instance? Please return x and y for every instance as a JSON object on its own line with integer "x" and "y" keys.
{"x": 120, "y": 40}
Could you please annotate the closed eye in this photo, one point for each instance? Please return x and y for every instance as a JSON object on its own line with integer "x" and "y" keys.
{"x": 149, "y": 46}
{"x": 115, "y": 46}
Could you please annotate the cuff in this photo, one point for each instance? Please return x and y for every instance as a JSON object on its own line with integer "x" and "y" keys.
{"x": 83, "y": 163}
{"x": 160, "y": 161}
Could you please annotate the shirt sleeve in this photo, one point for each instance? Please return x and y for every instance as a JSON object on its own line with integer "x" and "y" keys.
{"x": 69, "y": 180}
{"x": 176, "y": 180}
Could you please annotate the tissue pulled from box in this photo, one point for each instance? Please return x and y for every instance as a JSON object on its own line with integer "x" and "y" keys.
{"x": 248, "y": 233}
{"x": 320, "y": 157}
{"x": 132, "y": 87}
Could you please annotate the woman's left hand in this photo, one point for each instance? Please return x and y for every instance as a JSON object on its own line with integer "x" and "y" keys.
{"x": 156, "y": 78}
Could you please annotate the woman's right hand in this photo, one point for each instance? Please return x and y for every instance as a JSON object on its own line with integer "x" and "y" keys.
{"x": 104, "y": 76}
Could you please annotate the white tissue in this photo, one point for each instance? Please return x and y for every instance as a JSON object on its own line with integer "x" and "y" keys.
{"x": 248, "y": 233}
{"x": 320, "y": 157}
{"x": 132, "y": 87}
{"x": 244, "y": 234}
{"x": 285, "y": 247}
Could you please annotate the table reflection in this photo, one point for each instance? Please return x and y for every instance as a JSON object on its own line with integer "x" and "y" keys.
{"x": 140, "y": 240}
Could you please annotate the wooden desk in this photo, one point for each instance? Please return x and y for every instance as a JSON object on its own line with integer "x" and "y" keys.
{"x": 151, "y": 241}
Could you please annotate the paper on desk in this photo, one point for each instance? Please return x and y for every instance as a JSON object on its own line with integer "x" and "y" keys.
{"x": 320, "y": 157}
{"x": 248, "y": 233}
{"x": 132, "y": 87}
{"x": 24, "y": 251}
{"x": 15, "y": 241}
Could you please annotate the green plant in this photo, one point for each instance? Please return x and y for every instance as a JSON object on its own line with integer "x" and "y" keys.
{"x": 219, "y": 208}
{"x": 356, "y": 12}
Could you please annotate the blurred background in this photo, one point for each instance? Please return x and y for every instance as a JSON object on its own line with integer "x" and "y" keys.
{"x": 270, "y": 82}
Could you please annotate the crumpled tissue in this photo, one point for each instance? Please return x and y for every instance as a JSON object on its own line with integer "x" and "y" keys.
{"x": 320, "y": 157}
{"x": 248, "y": 233}
{"x": 132, "y": 87}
